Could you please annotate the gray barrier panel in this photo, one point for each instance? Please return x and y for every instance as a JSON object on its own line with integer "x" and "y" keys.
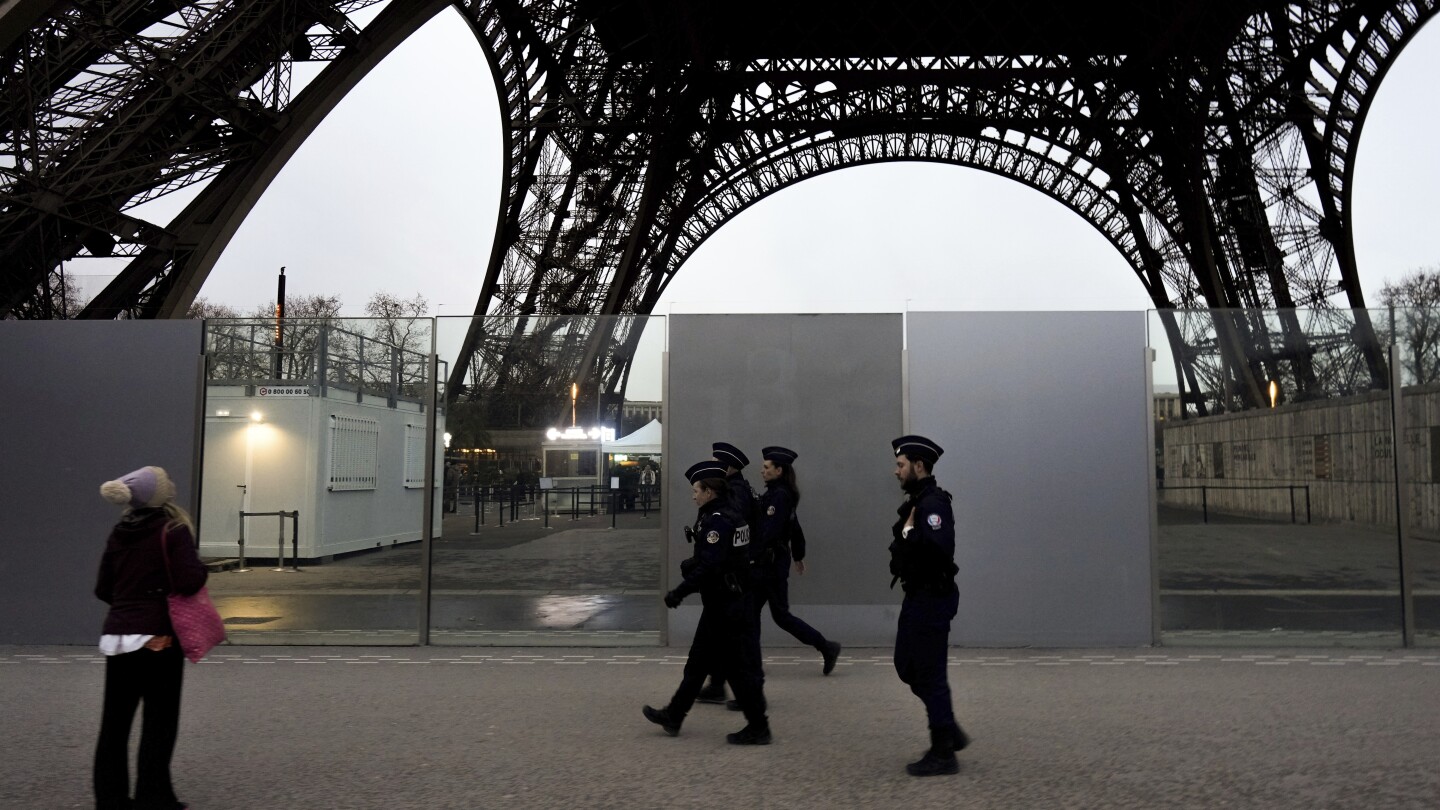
{"x": 85, "y": 402}
{"x": 828, "y": 387}
{"x": 1044, "y": 420}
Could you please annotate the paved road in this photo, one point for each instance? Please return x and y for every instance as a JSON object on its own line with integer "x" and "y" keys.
{"x": 450, "y": 729}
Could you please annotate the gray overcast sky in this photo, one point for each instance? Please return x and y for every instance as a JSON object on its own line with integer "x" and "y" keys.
{"x": 397, "y": 190}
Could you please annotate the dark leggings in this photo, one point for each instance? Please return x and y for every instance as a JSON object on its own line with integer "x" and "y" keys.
{"x": 155, "y": 679}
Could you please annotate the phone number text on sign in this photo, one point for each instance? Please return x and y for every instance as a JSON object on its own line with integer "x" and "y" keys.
{"x": 283, "y": 391}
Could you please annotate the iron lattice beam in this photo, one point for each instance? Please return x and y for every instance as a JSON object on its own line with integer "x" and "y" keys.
{"x": 1187, "y": 157}
{"x": 1212, "y": 143}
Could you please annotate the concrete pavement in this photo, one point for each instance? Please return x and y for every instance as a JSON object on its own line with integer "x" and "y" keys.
{"x": 399, "y": 728}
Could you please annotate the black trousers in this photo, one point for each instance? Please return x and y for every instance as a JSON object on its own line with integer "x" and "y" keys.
{"x": 922, "y": 649}
{"x": 774, "y": 588}
{"x": 724, "y": 646}
{"x": 154, "y": 678}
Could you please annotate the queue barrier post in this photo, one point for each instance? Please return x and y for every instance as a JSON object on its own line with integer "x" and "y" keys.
{"x": 242, "y": 569}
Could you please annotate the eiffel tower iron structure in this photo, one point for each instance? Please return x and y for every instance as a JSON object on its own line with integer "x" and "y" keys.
{"x": 1212, "y": 142}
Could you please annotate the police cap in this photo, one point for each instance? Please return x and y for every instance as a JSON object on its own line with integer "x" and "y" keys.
{"x": 705, "y": 469}
{"x": 730, "y": 455}
{"x": 919, "y": 447}
{"x": 779, "y": 455}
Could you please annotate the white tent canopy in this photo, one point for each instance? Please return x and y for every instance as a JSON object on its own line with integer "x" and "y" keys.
{"x": 645, "y": 441}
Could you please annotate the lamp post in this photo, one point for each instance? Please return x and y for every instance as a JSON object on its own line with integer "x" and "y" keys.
{"x": 279, "y": 323}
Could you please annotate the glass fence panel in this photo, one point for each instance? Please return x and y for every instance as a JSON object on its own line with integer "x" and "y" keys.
{"x": 313, "y": 478}
{"x": 553, "y": 464}
{"x": 1417, "y": 349}
{"x": 1275, "y": 478}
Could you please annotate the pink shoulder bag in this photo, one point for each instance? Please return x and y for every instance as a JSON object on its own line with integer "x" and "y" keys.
{"x": 198, "y": 626}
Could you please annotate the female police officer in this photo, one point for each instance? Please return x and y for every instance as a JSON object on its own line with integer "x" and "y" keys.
{"x": 779, "y": 541}
{"x": 723, "y": 643}
{"x": 922, "y": 557}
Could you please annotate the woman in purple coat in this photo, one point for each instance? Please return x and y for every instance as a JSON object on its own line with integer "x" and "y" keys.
{"x": 150, "y": 554}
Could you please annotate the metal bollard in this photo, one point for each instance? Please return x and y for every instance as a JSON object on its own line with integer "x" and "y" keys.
{"x": 280, "y": 552}
{"x": 242, "y": 569}
{"x": 294, "y": 540}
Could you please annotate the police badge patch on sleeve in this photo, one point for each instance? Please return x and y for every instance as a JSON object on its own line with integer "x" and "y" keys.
{"x": 712, "y": 537}
{"x": 934, "y": 521}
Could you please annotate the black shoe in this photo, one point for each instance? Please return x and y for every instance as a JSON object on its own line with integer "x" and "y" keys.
{"x": 958, "y": 738}
{"x": 933, "y": 765}
{"x": 712, "y": 693}
{"x": 940, "y": 759}
{"x": 750, "y": 735}
{"x": 732, "y": 705}
{"x": 663, "y": 719}
{"x": 831, "y": 651}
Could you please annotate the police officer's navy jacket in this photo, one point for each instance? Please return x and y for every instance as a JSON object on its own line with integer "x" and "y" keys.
{"x": 925, "y": 558}
{"x": 722, "y": 549}
{"x": 742, "y": 498}
{"x": 776, "y": 528}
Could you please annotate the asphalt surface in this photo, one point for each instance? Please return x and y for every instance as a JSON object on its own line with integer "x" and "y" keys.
{"x": 399, "y": 728}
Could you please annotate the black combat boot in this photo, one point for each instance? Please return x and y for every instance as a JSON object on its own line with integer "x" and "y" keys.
{"x": 665, "y": 719}
{"x": 713, "y": 692}
{"x": 958, "y": 738}
{"x": 940, "y": 759}
{"x": 752, "y": 734}
{"x": 831, "y": 651}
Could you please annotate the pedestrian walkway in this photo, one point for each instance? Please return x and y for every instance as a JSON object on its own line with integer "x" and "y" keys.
{"x": 442, "y": 729}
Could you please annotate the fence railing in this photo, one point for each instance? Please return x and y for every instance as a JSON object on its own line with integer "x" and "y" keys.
{"x": 318, "y": 353}
{"x": 523, "y": 502}
{"x": 1206, "y": 488}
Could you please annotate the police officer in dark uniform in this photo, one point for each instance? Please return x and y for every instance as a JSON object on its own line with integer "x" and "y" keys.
{"x": 777, "y": 539}
{"x": 718, "y": 571}
{"x": 742, "y": 500}
{"x": 922, "y": 558}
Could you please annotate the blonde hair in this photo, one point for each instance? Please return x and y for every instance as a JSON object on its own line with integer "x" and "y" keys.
{"x": 178, "y": 517}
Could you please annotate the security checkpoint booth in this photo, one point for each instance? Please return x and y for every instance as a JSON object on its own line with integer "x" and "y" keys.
{"x": 573, "y": 470}
{"x": 338, "y": 438}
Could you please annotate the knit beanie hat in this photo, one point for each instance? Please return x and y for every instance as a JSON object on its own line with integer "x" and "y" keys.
{"x": 147, "y": 486}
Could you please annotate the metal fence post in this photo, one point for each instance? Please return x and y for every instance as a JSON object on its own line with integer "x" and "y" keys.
{"x": 242, "y": 569}
{"x": 294, "y": 540}
{"x": 280, "y": 552}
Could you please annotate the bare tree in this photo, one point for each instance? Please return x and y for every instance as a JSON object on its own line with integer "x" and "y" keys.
{"x": 245, "y": 348}
{"x": 203, "y": 309}
{"x": 1415, "y": 299}
{"x": 402, "y": 326}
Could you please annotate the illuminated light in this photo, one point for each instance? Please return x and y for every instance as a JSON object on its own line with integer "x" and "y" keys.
{"x": 1274, "y": 392}
{"x": 256, "y": 416}
{"x": 621, "y": 457}
{"x": 447, "y": 441}
{"x": 575, "y": 433}
{"x": 222, "y": 413}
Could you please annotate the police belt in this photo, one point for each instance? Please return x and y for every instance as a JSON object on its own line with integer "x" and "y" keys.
{"x": 927, "y": 587}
